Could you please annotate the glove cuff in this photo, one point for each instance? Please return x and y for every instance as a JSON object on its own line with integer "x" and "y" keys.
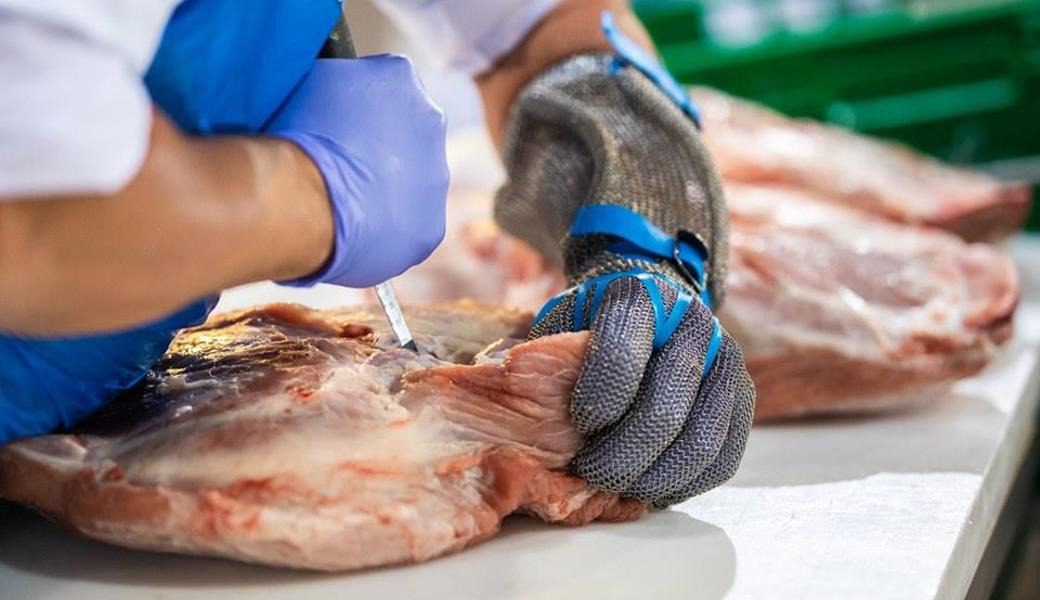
{"x": 318, "y": 150}
{"x": 596, "y": 130}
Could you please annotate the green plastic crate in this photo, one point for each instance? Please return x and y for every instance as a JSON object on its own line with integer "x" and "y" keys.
{"x": 958, "y": 79}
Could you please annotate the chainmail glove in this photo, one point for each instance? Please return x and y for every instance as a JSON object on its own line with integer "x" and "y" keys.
{"x": 608, "y": 178}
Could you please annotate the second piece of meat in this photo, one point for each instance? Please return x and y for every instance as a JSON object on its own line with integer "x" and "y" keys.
{"x": 839, "y": 311}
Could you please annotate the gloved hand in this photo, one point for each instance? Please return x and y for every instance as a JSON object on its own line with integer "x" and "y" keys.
{"x": 603, "y": 153}
{"x": 47, "y": 384}
{"x": 378, "y": 141}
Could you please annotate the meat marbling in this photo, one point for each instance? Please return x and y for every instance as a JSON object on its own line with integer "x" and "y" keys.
{"x": 839, "y": 311}
{"x": 292, "y": 437}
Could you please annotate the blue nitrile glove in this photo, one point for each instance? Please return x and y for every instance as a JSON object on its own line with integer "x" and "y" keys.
{"x": 46, "y": 384}
{"x": 378, "y": 140}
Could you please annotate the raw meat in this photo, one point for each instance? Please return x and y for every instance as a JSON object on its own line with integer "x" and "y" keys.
{"x": 836, "y": 310}
{"x": 295, "y": 438}
{"x": 477, "y": 261}
{"x": 753, "y": 144}
{"x": 840, "y": 311}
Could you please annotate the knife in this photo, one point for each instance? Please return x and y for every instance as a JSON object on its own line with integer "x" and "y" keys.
{"x": 341, "y": 45}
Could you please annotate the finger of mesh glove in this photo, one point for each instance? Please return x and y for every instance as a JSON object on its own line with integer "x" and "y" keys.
{"x": 622, "y": 453}
{"x": 703, "y": 435}
{"x": 726, "y": 463}
{"x": 620, "y": 344}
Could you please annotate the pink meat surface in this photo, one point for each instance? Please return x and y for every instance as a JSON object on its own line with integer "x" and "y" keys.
{"x": 292, "y": 437}
{"x": 840, "y": 311}
{"x": 836, "y": 310}
{"x": 477, "y": 261}
{"x": 753, "y": 144}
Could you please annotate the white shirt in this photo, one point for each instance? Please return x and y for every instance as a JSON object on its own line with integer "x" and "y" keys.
{"x": 75, "y": 116}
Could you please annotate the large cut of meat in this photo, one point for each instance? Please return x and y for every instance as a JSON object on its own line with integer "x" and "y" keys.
{"x": 753, "y": 144}
{"x": 836, "y": 310}
{"x": 293, "y": 437}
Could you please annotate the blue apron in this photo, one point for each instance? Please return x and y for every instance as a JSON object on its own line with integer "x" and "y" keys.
{"x": 223, "y": 66}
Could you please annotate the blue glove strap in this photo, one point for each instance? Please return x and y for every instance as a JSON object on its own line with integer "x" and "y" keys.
{"x": 714, "y": 345}
{"x": 640, "y": 239}
{"x": 631, "y": 53}
{"x": 665, "y": 322}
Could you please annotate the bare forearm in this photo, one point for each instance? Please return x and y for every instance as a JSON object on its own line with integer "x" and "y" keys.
{"x": 201, "y": 215}
{"x": 573, "y": 27}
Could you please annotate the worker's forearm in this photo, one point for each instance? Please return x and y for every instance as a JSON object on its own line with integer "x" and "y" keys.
{"x": 201, "y": 215}
{"x": 573, "y": 27}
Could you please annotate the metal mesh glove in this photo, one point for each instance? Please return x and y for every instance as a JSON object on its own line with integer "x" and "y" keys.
{"x": 659, "y": 428}
{"x": 593, "y": 131}
{"x": 582, "y": 133}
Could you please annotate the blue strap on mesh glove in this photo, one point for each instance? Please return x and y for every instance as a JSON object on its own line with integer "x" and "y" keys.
{"x": 634, "y": 237}
{"x": 632, "y": 54}
{"x": 639, "y": 239}
{"x": 47, "y": 384}
{"x": 378, "y": 141}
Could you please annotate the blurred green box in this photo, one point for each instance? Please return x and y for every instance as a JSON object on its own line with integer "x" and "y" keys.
{"x": 958, "y": 79}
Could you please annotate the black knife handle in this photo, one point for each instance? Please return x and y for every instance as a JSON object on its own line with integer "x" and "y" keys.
{"x": 340, "y": 43}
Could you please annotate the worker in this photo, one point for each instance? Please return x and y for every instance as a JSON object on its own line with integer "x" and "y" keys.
{"x": 155, "y": 153}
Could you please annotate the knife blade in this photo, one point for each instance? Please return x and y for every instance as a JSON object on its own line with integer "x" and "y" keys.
{"x": 341, "y": 45}
{"x": 394, "y": 314}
